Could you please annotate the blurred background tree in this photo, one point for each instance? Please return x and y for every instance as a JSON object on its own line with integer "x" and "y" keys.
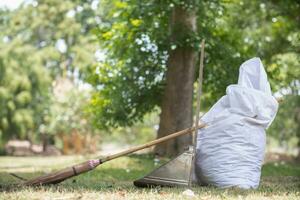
{"x": 59, "y": 31}
{"x": 24, "y": 91}
{"x": 44, "y": 45}
{"x": 67, "y": 122}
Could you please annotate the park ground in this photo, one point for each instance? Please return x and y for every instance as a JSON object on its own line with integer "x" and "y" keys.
{"x": 113, "y": 180}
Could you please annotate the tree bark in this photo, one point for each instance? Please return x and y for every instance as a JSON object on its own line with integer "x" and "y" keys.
{"x": 176, "y": 108}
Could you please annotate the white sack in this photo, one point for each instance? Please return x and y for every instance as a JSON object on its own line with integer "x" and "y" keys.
{"x": 230, "y": 151}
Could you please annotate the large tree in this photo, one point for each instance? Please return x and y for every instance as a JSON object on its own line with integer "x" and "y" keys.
{"x": 150, "y": 50}
{"x": 150, "y": 47}
{"x": 176, "y": 108}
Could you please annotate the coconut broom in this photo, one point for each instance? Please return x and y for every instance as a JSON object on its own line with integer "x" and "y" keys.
{"x": 59, "y": 176}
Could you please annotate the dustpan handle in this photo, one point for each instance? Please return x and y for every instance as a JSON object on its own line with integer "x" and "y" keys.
{"x": 199, "y": 92}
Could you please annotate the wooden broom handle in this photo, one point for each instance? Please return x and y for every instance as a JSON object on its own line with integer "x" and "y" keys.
{"x": 199, "y": 92}
{"x": 154, "y": 142}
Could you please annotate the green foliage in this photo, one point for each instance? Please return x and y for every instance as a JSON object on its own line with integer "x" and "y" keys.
{"x": 286, "y": 125}
{"x": 23, "y": 90}
{"x": 60, "y": 31}
{"x": 41, "y": 42}
{"x": 135, "y": 38}
{"x": 130, "y": 76}
{"x": 266, "y": 29}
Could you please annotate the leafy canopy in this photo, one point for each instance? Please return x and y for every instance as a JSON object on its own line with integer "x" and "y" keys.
{"x": 135, "y": 39}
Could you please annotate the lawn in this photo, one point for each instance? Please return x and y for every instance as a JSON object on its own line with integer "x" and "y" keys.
{"x": 113, "y": 180}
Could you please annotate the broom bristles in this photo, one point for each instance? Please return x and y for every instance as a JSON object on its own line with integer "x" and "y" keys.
{"x": 61, "y": 175}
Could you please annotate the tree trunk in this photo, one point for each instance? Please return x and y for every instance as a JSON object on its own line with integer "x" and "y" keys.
{"x": 177, "y": 101}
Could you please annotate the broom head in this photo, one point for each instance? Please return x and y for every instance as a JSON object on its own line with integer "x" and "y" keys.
{"x": 61, "y": 175}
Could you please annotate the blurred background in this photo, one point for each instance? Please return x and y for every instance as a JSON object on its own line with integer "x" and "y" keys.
{"x": 88, "y": 76}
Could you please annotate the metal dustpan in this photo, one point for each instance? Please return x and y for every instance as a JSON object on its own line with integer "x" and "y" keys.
{"x": 176, "y": 172}
{"x": 180, "y": 170}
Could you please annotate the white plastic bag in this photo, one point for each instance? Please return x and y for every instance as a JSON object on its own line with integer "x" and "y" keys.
{"x": 230, "y": 151}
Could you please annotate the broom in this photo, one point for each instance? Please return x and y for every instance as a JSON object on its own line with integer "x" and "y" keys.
{"x": 59, "y": 176}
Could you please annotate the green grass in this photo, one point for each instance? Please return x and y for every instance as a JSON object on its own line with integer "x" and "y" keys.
{"x": 113, "y": 180}
{"x": 281, "y": 169}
